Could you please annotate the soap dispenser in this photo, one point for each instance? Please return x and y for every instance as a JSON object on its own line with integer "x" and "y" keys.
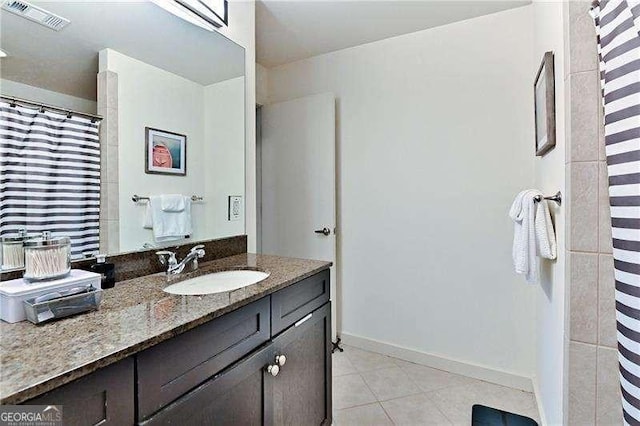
{"x": 107, "y": 270}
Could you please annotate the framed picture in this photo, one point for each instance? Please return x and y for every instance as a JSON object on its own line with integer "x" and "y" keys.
{"x": 166, "y": 152}
{"x": 545, "y": 106}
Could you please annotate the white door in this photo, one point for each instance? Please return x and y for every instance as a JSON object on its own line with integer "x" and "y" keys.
{"x": 298, "y": 181}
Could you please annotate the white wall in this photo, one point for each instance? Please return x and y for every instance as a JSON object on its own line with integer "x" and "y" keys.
{"x": 241, "y": 29}
{"x": 37, "y": 94}
{"x": 435, "y": 138}
{"x": 223, "y": 153}
{"x": 549, "y": 178}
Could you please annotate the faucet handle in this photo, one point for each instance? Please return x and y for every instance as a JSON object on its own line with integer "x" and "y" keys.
{"x": 166, "y": 257}
{"x": 199, "y": 249}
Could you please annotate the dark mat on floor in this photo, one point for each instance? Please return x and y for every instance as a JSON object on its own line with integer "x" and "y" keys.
{"x": 486, "y": 416}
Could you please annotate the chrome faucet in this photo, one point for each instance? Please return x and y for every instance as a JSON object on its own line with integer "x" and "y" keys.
{"x": 168, "y": 258}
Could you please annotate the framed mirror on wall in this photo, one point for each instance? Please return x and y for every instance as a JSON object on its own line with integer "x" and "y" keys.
{"x": 119, "y": 132}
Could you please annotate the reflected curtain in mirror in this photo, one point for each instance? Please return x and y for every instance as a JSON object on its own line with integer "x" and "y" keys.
{"x": 50, "y": 175}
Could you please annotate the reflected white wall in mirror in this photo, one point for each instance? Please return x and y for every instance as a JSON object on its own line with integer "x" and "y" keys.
{"x": 211, "y": 116}
{"x": 137, "y": 66}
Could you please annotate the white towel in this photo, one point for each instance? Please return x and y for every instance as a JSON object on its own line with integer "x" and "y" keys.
{"x": 532, "y": 235}
{"x": 168, "y": 226}
{"x": 545, "y": 234}
{"x": 524, "y": 253}
{"x": 173, "y": 202}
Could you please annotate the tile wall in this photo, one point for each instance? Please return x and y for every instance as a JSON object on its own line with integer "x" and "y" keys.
{"x": 109, "y": 193}
{"x": 593, "y": 387}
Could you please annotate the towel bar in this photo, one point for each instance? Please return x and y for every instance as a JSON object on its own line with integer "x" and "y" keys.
{"x": 138, "y": 198}
{"x": 557, "y": 198}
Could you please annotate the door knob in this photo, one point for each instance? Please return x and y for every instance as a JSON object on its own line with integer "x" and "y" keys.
{"x": 273, "y": 370}
{"x": 323, "y": 231}
{"x": 281, "y": 360}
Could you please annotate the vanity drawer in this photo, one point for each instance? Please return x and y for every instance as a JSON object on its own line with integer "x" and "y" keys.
{"x": 293, "y": 303}
{"x": 103, "y": 398}
{"x": 170, "y": 369}
{"x": 239, "y": 395}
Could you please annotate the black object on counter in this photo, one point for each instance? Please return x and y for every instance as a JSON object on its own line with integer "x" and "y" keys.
{"x": 107, "y": 270}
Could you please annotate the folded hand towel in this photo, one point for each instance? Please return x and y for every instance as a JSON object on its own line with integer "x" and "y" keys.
{"x": 522, "y": 213}
{"x": 168, "y": 226}
{"x": 173, "y": 202}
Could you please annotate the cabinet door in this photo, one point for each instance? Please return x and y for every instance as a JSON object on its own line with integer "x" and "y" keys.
{"x": 101, "y": 398}
{"x": 174, "y": 367}
{"x": 236, "y": 396}
{"x": 302, "y": 388}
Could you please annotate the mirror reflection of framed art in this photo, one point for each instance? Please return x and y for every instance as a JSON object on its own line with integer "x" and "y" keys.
{"x": 166, "y": 152}
{"x": 545, "y": 109}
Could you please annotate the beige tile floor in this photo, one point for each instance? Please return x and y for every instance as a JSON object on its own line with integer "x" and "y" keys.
{"x": 373, "y": 389}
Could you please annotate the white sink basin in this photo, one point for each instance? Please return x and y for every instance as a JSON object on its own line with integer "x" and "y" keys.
{"x": 217, "y": 282}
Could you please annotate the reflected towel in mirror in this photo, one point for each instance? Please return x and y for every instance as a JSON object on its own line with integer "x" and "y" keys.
{"x": 173, "y": 202}
{"x": 167, "y": 225}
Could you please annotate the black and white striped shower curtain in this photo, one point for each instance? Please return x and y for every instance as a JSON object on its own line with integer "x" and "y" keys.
{"x": 50, "y": 175}
{"x": 618, "y": 29}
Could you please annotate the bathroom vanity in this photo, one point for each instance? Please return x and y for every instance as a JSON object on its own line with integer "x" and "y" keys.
{"x": 257, "y": 355}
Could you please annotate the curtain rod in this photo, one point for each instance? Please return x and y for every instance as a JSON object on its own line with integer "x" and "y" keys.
{"x": 13, "y": 100}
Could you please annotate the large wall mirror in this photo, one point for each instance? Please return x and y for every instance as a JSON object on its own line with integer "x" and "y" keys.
{"x": 122, "y": 128}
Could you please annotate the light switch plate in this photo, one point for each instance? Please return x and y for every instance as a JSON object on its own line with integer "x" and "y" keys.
{"x": 235, "y": 208}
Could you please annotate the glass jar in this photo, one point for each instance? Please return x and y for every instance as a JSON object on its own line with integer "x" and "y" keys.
{"x": 47, "y": 258}
{"x": 13, "y": 250}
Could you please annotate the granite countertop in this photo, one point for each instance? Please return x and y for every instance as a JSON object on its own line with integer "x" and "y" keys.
{"x": 134, "y": 315}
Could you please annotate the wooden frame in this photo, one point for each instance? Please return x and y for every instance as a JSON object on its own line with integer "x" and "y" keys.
{"x": 545, "y": 106}
{"x": 152, "y": 159}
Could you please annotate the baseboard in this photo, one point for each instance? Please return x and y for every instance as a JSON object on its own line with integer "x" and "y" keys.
{"x": 434, "y": 361}
{"x": 536, "y": 392}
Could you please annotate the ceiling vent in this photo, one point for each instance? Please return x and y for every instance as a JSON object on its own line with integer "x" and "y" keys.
{"x": 35, "y": 14}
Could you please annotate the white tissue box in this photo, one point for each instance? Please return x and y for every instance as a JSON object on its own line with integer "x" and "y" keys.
{"x": 14, "y": 292}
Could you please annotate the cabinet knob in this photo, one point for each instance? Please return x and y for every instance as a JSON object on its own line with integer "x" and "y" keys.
{"x": 273, "y": 370}
{"x": 281, "y": 360}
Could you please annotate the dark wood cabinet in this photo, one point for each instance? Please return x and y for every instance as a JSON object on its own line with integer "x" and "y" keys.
{"x": 250, "y": 392}
{"x": 267, "y": 363}
{"x": 237, "y": 396}
{"x": 302, "y": 389}
{"x": 292, "y": 303}
{"x": 105, "y": 397}
{"x": 169, "y": 370}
